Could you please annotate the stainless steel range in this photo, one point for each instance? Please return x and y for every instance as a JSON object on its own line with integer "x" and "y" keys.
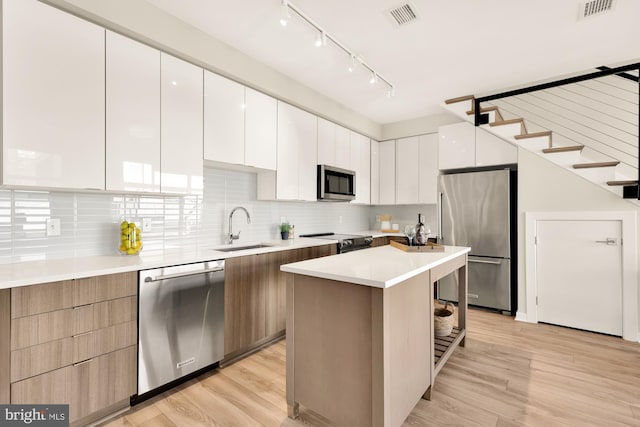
{"x": 346, "y": 242}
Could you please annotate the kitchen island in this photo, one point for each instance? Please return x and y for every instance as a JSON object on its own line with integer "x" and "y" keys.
{"x": 361, "y": 349}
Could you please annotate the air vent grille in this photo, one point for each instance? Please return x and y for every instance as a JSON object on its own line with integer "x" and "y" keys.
{"x": 402, "y": 15}
{"x": 595, "y": 7}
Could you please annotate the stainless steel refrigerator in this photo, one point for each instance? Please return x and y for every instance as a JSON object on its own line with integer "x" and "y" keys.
{"x": 477, "y": 209}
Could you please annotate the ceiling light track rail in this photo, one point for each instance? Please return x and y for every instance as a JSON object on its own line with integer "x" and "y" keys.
{"x": 323, "y": 36}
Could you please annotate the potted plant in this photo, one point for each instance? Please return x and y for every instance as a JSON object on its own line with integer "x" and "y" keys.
{"x": 284, "y": 230}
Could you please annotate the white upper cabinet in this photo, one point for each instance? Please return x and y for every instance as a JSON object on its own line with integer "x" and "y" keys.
{"x": 297, "y": 154}
{"x": 407, "y": 170}
{"x": 182, "y": 124}
{"x": 132, "y": 115}
{"x": 361, "y": 165}
{"x": 53, "y": 101}
{"x": 456, "y": 146}
{"x": 387, "y": 152}
{"x": 493, "y": 150}
{"x": 343, "y": 148}
{"x": 375, "y": 172}
{"x": 224, "y": 109}
{"x": 326, "y": 142}
{"x": 428, "y": 169}
{"x": 261, "y": 130}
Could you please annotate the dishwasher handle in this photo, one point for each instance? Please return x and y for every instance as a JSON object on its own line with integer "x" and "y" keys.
{"x": 150, "y": 279}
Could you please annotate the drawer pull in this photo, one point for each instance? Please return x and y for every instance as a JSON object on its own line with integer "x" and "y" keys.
{"x": 82, "y": 334}
{"x": 83, "y": 362}
{"x": 77, "y": 307}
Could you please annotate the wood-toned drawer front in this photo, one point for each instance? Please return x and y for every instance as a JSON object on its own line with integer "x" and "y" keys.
{"x": 38, "y": 359}
{"x": 36, "y": 299}
{"x": 41, "y": 328}
{"x": 87, "y": 387}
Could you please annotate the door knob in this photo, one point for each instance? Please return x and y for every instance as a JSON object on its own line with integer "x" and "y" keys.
{"x": 608, "y": 241}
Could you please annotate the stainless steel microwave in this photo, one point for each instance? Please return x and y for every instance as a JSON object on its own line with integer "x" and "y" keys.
{"x": 336, "y": 184}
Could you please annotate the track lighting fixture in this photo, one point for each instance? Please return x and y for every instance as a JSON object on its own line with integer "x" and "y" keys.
{"x": 321, "y": 40}
{"x": 352, "y": 64}
{"x": 285, "y": 16}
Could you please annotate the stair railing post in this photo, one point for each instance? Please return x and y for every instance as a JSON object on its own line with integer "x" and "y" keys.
{"x": 476, "y": 112}
{"x": 638, "y": 185}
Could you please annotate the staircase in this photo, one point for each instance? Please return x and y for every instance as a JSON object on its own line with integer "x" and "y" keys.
{"x": 614, "y": 168}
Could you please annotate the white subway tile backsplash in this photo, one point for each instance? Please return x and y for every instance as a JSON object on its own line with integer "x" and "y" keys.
{"x": 90, "y": 222}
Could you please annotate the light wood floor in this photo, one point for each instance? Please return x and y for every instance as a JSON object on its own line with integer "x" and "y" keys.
{"x": 509, "y": 374}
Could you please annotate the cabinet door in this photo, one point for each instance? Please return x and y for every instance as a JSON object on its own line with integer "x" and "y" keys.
{"x": 428, "y": 170}
{"x": 261, "y": 119}
{"x": 133, "y": 115}
{"x": 407, "y": 170}
{"x": 224, "y": 108}
{"x": 456, "y": 146}
{"x": 181, "y": 142}
{"x": 387, "y": 172}
{"x": 375, "y": 172}
{"x": 297, "y": 154}
{"x": 493, "y": 150}
{"x": 343, "y": 147}
{"x": 361, "y": 164}
{"x": 53, "y": 76}
{"x": 326, "y": 142}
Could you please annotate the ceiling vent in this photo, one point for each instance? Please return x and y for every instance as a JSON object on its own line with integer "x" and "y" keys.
{"x": 402, "y": 14}
{"x": 594, "y": 7}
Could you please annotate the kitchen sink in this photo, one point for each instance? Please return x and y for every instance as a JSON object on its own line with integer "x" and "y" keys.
{"x": 243, "y": 248}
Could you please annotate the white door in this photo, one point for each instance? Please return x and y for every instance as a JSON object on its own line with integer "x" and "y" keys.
{"x": 579, "y": 274}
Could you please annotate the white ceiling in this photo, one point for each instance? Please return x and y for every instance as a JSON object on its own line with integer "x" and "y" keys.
{"x": 457, "y": 47}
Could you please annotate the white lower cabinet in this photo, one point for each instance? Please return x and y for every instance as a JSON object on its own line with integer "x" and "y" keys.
{"x": 53, "y": 100}
{"x": 132, "y": 115}
{"x": 181, "y": 124}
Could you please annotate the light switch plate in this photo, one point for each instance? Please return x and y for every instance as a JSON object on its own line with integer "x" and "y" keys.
{"x": 146, "y": 225}
{"x": 53, "y": 227}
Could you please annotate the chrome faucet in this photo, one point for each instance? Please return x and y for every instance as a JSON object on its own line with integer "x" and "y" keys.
{"x": 231, "y": 236}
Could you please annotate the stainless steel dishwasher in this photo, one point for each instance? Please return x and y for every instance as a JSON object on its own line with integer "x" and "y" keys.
{"x": 181, "y": 322}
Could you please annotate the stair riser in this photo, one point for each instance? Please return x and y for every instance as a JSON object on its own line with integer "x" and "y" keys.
{"x": 565, "y": 159}
{"x": 597, "y": 175}
{"x": 506, "y": 130}
{"x": 535, "y": 144}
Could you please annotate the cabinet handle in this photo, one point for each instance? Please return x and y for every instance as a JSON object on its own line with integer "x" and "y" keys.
{"x": 82, "y": 334}
{"x": 178, "y": 275}
{"x": 77, "y": 307}
{"x": 609, "y": 241}
{"x": 83, "y": 362}
{"x": 484, "y": 262}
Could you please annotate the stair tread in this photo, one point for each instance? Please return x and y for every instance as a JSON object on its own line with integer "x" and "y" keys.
{"x": 460, "y": 99}
{"x": 507, "y": 122}
{"x": 628, "y": 182}
{"x": 595, "y": 165}
{"x": 563, "y": 149}
{"x": 483, "y": 110}
{"x": 534, "y": 135}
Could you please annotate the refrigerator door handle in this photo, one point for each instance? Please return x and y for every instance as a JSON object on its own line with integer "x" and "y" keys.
{"x": 440, "y": 215}
{"x": 479, "y": 261}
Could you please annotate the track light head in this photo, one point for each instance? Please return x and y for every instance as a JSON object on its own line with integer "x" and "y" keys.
{"x": 285, "y": 15}
{"x": 321, "y": 39}
{"x": 374, "y": 78}
{"x": 352, "y": 64}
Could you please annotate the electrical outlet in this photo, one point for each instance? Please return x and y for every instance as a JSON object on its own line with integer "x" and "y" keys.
{"x": 146, "y": 225}
{"x": 53, "y": 227}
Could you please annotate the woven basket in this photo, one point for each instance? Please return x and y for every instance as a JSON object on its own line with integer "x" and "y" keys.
{"x": 443, "y": 320}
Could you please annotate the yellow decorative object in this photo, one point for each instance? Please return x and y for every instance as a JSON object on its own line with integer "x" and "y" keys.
{"x": 130, "y": 238}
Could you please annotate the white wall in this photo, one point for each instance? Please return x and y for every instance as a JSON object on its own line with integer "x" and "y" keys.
{"x": 417, "y": 126}
{"x": 543, "y": 186}
{"x": 142, "y": 21}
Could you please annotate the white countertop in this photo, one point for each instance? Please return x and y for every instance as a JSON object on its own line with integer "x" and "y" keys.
{"x": 380, "y": 267}
{"x": 35, "y": 272}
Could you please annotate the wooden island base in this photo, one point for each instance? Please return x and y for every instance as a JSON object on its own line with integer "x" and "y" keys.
{"x": 362, "y": 355}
